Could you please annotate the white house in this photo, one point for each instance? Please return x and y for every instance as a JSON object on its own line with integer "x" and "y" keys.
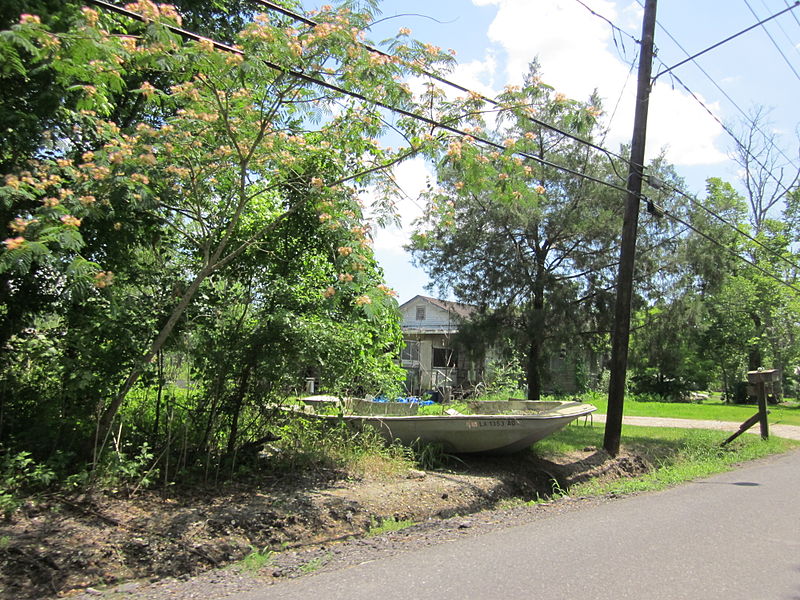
{"x": 430, "y": 358}
{"x": 433, "y": 360}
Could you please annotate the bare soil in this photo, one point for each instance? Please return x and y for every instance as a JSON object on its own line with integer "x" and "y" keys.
{"x": 174, "y": 543}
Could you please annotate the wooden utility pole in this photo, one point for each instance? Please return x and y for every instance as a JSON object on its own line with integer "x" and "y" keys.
{"x": 630, "y": 224}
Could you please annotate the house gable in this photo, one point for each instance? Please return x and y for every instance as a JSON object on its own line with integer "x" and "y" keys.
{"x": 422, "y": 314}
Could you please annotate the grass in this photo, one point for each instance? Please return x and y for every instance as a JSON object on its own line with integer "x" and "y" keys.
{"x": 677, "y": 455}
{"x": 712, "y": 410}
{"x": 315, "y": 563}
{"x": 313, "y": 445}
{"x": 257, "y": 560}
{"x": 386, "y": 525}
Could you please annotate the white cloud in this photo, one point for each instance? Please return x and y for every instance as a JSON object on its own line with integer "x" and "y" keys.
{"x": 477, "y": 75}
{"x": 412, "y": 176}
{"x": 578, "y": 55}
{"x": 632, "y": 17}
{"x": 680, "y": 124}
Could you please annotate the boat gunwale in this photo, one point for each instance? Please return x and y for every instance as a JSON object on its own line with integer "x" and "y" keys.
{"x": 543, "y": 416}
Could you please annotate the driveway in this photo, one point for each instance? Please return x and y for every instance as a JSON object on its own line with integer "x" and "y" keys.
{"x": 791, "y": 432}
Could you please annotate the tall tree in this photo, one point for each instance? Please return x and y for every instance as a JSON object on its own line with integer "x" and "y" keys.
{"x": 227, "y": 150}
{"x": 531, "y": 244}
{"x": 767, "y": 171}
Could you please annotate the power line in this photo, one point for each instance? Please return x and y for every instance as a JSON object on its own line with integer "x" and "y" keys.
{"x": 774, "y": 43}
{"x": 726, "y": 40}
{"x": 727, "y": 249}
{"x": 730, "y": 132}
{"x": 691, "y": 198}
{"x": 744, "y": 114}
{"x": 794, "y": 16}
{"x": 733, "y": 226}
{"x": 785, "y": 33}
{"x": 616, "y": 29}
{"x": 681, "y": 192}
{"x": 613, "y": 25}
{"x": 619, "y": 99}
{"x": 322, "y": 83}
{"x": 303, "y": 19}
{"x": 333, "y": 87}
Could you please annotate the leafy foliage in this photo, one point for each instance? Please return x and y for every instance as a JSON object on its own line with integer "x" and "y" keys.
{"x": 517, "y": 233}
{"x": 186, "y": 223}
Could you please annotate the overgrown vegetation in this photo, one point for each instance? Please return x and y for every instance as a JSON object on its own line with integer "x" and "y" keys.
{"x": 187, "y": 241}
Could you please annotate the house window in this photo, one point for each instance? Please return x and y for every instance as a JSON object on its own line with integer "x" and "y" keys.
{"x": 410, "y": 352}
{"x": 444, "y": 358}
{"x": 420, "y": 313}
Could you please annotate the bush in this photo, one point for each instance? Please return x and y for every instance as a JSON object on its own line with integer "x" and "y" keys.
{"x": 20, "y": 475}
{"x": 668, "y": 389}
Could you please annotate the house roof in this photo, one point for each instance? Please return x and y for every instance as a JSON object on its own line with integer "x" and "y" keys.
{"x": 464, "y": 311}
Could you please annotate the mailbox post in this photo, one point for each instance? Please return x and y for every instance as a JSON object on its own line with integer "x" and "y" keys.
{"x": 761, "y": 380}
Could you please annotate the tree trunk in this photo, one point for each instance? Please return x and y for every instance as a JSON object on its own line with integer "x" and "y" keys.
{"x": 236, "y": 409}
{"x": 110, "y": 412}
{"x": 535, "y": 329}
{"x": 754, "y": 358}
{"x": 533, "y": 372}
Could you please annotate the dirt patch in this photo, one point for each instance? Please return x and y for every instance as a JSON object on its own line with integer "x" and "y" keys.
{"x": 64, "y": 545}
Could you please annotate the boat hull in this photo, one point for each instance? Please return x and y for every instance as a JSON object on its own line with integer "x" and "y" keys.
{"x": 477, "y": 433}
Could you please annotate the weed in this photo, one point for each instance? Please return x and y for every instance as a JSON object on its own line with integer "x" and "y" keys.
{"x": 315, "y": 563}
{"x": 310, "y": 445}
{"x": 19, "y": 473}
{"x": 433, "y": 456}
{"x": 257, "y": 559}
{"x": 119, "y": 469}
{"x": 386, "y": 525}
{"x": 557, "y": 490}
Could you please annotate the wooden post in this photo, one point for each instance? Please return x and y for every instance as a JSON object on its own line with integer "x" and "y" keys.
{"x": 760, "y": 379}
{"x": 742, "y": 428}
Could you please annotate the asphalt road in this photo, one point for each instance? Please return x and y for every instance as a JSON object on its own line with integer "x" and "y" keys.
{"x": 735, "y": 535}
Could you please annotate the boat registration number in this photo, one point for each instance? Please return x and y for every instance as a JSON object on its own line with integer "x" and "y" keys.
{"x": 493, "y": 423}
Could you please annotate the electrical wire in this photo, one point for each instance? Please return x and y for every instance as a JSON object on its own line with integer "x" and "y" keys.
{"x": 327, "y": 85}
{"x": 774, "y": 43}
{"x": 619, "y": 99}
{"x": 785, "y": 33}
{"x": 615, "y": 29}
{"x": 794, "y": 16}
{"x": 304, "y": 77}
{"x": 733, "y": 226}
{"x": 303, "y": 19}
{"x": 726, "y": 40}
{"x": 731, "y": 251}
{"x": 688, "y": 196}
{"x": 613, "y": 25}
{"x": 680, "y": 192}
{"x": 731, "y": 133}
{"x": 744, "y": 114}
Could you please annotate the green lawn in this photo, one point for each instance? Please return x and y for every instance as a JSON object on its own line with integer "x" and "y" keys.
{"x": 713, "y": 410}
{"x": 676, "y": 454}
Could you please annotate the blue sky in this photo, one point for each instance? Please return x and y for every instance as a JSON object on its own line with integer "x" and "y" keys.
{"x": 495, "y": 39}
